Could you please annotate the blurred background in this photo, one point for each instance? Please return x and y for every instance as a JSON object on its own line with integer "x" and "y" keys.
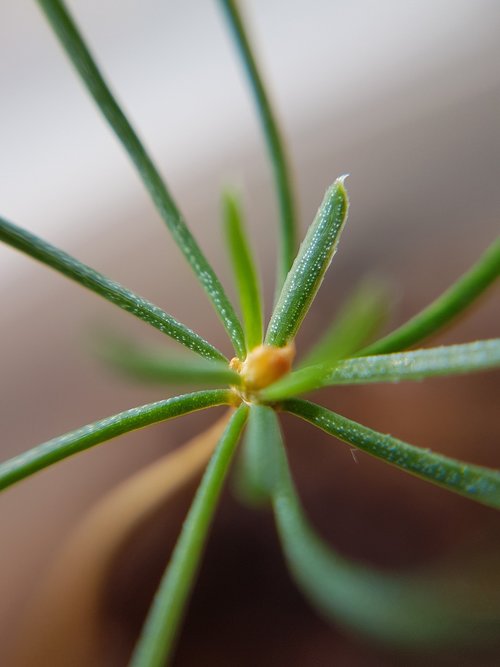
{"x": 403, "y": 96}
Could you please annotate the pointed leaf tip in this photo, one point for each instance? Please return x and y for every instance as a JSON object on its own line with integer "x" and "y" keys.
{"x": 310, "y": 265}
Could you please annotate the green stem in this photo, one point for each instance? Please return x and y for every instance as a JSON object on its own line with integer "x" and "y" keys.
{"x": 77, "y": 51}
{"x": 93, "y": 280}
{"x": 474, "y": 482}
{"x": 274, "y": 143}
{"x": 158, "y": 636}
{"x": 55, "y": 450}
{"x": 445, "y": 308}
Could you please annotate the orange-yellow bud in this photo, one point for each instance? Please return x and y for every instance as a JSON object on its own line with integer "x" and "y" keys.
{"x": 264, "y": 365}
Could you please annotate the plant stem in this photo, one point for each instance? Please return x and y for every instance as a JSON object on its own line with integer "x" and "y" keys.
{"x": 158, "y": 635}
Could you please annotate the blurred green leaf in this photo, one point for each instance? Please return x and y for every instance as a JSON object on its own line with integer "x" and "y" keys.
{"x": 445, "y": 308}
{"x": 288, "y": 240}
{"x": 244, "y": 269}
{"x": 397, "y": 609}
{"x": 359, "y": 319}
{"x": 251, "y": 482}
{"x": 164, "y": 367}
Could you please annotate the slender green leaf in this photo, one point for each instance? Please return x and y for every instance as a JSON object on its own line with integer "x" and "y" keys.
{"x": 55, "y": 450}
{"x": 418, "y": 364}
{"x": 397, "y": 609}
{"x": 358, "y": 321}
{"x": 474, "y": 482}
{"x": 245, "y": 271}
{"x": 274, "y": 144}
{"x": 415, "y": 365}
{"x": 445, "y": 308}
{"x": 163, "y": 367}
{"x": 67, "y": 32}
{"x": 158, "y": 635}
{"x": 70, "y": 267}
{"x": 309, "y": 267}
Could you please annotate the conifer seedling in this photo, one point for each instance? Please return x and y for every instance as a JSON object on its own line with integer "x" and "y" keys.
{"x": 261, "y": 381}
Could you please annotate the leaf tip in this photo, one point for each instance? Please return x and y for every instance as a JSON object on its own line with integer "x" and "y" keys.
{"x": 339, "y": 187}
{"x": 336, "y": 196}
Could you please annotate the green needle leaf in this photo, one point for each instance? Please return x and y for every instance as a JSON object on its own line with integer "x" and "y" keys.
{"x": 71, "y": 40}
{"x": 418, "y": 364}
{"x": 39, "y": 249}
{"x": 414, "y": 365}
{"x": 163, "y": 367}
{"x": 274, "y": 144}
{"x": 165, "y": 615}
{"x": 400, "y": 610}
{"x": 474, "y": 482}
{"x": 244, "y": 270}
{"x": 358, "y": 320}
{"x": 445, "y": 308}
{"x": 55, "y": 450}
{"x": 309, "y": 267}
